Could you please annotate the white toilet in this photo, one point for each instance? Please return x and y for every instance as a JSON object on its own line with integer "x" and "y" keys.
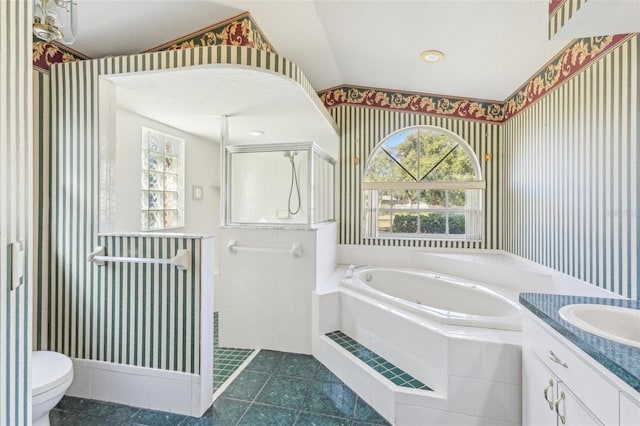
{"x": 51, "y": 376}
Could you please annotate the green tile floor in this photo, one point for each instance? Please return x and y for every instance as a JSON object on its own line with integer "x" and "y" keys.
{"x": 279, "y": 388}
{"x": 276, "y": 388}
{"x": 396, "y": 375}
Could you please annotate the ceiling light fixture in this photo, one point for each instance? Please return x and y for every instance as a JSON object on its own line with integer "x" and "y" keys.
{"x": 256, "y": 132}
{"x": 432, "y": 56}
{"x": 54, "y": 20}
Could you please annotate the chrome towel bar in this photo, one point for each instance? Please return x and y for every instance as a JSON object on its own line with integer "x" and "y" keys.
{"x": 295, "y": 250}
{"x": 181, "y": 260}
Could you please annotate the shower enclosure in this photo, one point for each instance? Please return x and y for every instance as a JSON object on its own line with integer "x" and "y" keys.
{"x": 279, "y": 185}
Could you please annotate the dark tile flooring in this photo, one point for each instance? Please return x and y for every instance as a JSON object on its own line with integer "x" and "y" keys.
{"x": 276, "y": 388}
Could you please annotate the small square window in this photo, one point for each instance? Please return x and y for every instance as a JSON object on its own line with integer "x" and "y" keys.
{"x": 162, "y": 165}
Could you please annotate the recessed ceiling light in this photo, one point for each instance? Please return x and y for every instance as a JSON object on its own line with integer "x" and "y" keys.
{"x": 256, "y": 132}
{"x": 432, "y": 56}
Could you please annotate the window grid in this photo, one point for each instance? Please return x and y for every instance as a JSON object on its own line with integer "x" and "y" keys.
{"x": 401, "y": 200}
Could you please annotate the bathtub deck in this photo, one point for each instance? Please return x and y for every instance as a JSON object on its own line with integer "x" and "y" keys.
{"x": 389, "y": 371}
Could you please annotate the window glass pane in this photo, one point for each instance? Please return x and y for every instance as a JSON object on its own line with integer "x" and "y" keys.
{"x": 433, "y": 198}
{"x": 447, "y": 160}
{"x": 456, "y": 224}
{"x": 156, "y": 162}
{"x": 382, "y": 168}
{"x": 155, "y": 220}
{"x": 405, "y": 223}
{"x": 384, "y": 221}
{"x": 156, "y": 200}
{"x": 396, "y": 199}
{"x": 434, "y": 147}
{"x": 433, "y": 223}
{"x": 171, "y": 146}
{"x": 403, "y": 147}
{"x": 456, "y": 198}
{"x": 156, "y": 142}
{"x": 154, "y": 181}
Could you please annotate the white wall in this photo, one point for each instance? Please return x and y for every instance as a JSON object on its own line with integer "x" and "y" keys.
{"x": 202, "y": 167}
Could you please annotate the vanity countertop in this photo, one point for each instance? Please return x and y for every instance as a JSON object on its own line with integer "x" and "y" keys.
{"x": 621, "y": 360}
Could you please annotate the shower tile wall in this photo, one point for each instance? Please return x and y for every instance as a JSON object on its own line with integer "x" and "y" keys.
{"x": 264, "y": 299}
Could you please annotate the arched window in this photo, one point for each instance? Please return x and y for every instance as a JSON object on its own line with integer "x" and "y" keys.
{"x": 423, "y": 182}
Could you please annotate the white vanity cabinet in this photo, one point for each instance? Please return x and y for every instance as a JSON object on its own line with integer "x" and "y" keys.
{"x": 629, "y": 411}
{"x": 562, "y": 386}
{"x": 548, "y": 401}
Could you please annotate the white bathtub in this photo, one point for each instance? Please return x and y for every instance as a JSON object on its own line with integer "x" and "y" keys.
{"x": 444, "y": 299}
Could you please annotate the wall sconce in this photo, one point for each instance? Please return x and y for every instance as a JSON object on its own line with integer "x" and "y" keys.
{"x": 54, "y": 20}
{"x": 488, "y": 156}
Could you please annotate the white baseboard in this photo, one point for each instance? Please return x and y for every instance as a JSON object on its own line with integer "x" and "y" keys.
{"x": 142, "y": 387}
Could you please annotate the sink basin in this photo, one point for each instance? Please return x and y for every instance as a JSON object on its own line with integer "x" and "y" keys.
{"x": 615, "y": 323}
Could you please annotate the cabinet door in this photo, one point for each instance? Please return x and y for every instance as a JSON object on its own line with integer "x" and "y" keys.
{"x": 538, "y": 392}
{"x": 570, "y": 410}
{"x": 629, "y": 411}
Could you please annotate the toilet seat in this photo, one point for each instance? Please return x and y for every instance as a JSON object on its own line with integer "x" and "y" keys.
{"x": 49, "y": 370}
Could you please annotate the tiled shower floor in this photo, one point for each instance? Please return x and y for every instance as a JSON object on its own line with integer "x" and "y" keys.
{"x": 276, "y": 388}
{"x": 225, "y": 360}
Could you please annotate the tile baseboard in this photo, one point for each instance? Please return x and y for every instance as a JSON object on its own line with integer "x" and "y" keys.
{"x": 143, "y": 387}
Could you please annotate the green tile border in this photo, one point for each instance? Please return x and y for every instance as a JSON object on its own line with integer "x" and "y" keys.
{"x": 387, "y": 369}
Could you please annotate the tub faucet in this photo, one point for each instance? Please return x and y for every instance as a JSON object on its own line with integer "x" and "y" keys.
{"x": 349, "y": 272}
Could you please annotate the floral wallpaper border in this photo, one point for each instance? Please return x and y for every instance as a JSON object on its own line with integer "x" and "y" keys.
{"x": 573, "y": 59}
{"x": 413, "y": 102}
{"x": 240, "y": 30}
{"x": 47, "y": 53}
{"x": 563, "y": 66}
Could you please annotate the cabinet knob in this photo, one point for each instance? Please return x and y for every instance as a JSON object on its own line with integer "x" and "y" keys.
{"x": 560, "y": 416}
{"x": 546, "y": 394}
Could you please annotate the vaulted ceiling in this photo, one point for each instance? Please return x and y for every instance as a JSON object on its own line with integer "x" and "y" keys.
{"x": 491, "y": 46}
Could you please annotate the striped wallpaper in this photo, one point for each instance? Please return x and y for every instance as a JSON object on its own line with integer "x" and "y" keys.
{"x": 361, "y": 128}
{"x": 562, "y": 187}
{"x": 41, "y": 145}
{"x": 571, "y": 175}
{"x": 15, "y": 151}
{"x": 144, "y": 316}
{"x": 560, "y": 12}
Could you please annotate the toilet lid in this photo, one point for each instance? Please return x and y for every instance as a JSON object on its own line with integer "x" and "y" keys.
{"x": 49, "y": 369}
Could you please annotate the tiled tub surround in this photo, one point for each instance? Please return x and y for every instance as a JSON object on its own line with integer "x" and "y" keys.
{"x": 475, "y": 373}
{"x": 375, "y": 361}
{"x": 623, "y": 361}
